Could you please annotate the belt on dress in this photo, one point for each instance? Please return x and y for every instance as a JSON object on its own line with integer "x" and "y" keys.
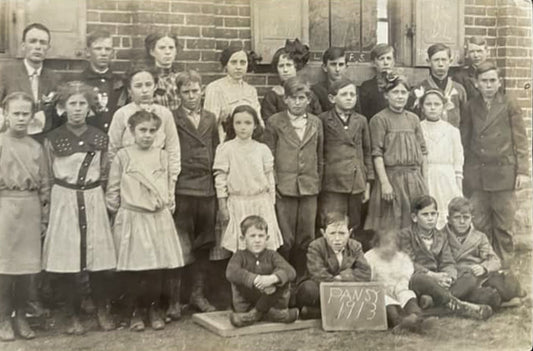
{"x": 403, "y": 168}
{"x": 76, "y": 186}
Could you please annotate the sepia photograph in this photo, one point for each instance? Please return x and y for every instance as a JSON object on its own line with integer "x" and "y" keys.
{"x": 266, "y": 175}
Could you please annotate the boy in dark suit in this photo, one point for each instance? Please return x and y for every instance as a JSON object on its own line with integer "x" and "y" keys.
{"x": 334, "y": 65}
{"x": 371, "y": 93}
{"x": 478, "y": 267}
{"x": 296, "y": 140}
{"x": 260, "y": 279}
{"x": 332, "y": 258}
{"x": 348, "y": 167}
{"x": 30, "y": 76}
{"x": 476, "y": 52}
{"x": 496, "y": 159}
{"x": 107, "y": 85}
{"x": 195, "y": 192}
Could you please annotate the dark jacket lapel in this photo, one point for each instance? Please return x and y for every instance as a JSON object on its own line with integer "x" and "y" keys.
{"x": 495, "y": 111}
{"x": 288, "y": 130}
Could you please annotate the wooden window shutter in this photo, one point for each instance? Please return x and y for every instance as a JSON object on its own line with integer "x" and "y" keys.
{"x": 273, "y": 21}
{"x": 438, "y": 21}
{"x": 66, "y": 20}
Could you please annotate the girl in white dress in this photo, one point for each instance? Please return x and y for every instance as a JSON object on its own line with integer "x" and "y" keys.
{"x": 141, "y": 193}
{"x": 244, "y": 179}
{"x": 445, "y": 153}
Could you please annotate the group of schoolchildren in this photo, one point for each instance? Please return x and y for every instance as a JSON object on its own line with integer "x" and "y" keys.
{"x": 131, "y": 180}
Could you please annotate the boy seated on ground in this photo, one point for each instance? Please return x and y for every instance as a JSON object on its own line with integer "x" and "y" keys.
{"x": 435, "y": 276}
{"x": 260, "y": 279}
{"x": 476, "y": 262}
{"x": 334, "y": 257}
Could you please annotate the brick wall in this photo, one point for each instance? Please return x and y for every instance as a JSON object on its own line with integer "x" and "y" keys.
{"x": 204, "y": 28}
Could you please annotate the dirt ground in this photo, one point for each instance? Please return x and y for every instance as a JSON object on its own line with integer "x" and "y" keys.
{"x": 511, "y": 329}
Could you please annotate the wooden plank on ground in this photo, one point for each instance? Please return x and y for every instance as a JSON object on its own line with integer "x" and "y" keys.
{"x": 218, "y": 323}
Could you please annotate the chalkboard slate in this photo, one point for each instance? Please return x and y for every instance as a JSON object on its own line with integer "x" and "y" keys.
{"x": 353, "y": 306}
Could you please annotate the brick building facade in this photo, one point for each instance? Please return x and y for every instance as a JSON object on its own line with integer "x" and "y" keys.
{"x": 205, "y": 27}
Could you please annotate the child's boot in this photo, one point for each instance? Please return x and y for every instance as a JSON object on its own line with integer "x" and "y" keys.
{"x": 105, "y": 320}
{"x": 486, "y": 296}
{"x": 412, "y": 307}
{"x": 426, "y": 302}
{"x": 75, "y": 327}
{"x": 174, "y": 310}
{"x": 6, "y": 329}
{"x": 310, "y": 312}
{"x": 286, "y": 315}
{"x": 154, "y": 316}
{"x": 469, "y": 310}
{"x": 136, "y": 321}
{"x": 198, "y": 299}
{"x": 411, "y": 323}
{"x": 243, "y": 319}
{"x": 21, "y": 325}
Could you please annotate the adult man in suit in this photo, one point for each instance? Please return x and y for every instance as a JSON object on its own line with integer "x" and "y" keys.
{"x": 30, "y": 76}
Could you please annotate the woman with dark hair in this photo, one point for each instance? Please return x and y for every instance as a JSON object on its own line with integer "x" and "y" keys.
{"x": 161, "y": 51}
{"x": 287, "y": 62}
{"x": 224, "y": 94}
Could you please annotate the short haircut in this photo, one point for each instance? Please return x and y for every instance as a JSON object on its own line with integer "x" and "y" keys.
{"x": 334, "y": 217}
{"x": 296, "y": 85}
{"x": 381, "y": 235}
{"x": 460, "y": 204}
{"x": 151, "y": 40}
{"x": 434, "y": 92}
{"x": 18, "y": 95}
{"x": 338, "y": 85}
{"x": 379, "y": 50}
{"x": 96, "y": 35}
{"x": 36, "y": 26}
{"x": 485, "y": 67}
{"x": 433, "y": 49}
{"x": 476, "y": 41}
{"x": 230, "y": 129}
{"x": 186, "y": 77}
{"x": 333, "y": 53}
{"x": 137, "y": 68}
{"x": 143, "y": 116}
{"x": 253, "y": 221}
{"x": 75, "y": 87}
{"x": 422, "y": 202}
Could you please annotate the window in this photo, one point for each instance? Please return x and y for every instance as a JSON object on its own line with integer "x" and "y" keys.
{"x": 4, "y": 30}
{"x": 351, "y": 24}
{"x": 383, "y": 22}
{"x": 408, "y": 25}
{"x": 68, "y": 31}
